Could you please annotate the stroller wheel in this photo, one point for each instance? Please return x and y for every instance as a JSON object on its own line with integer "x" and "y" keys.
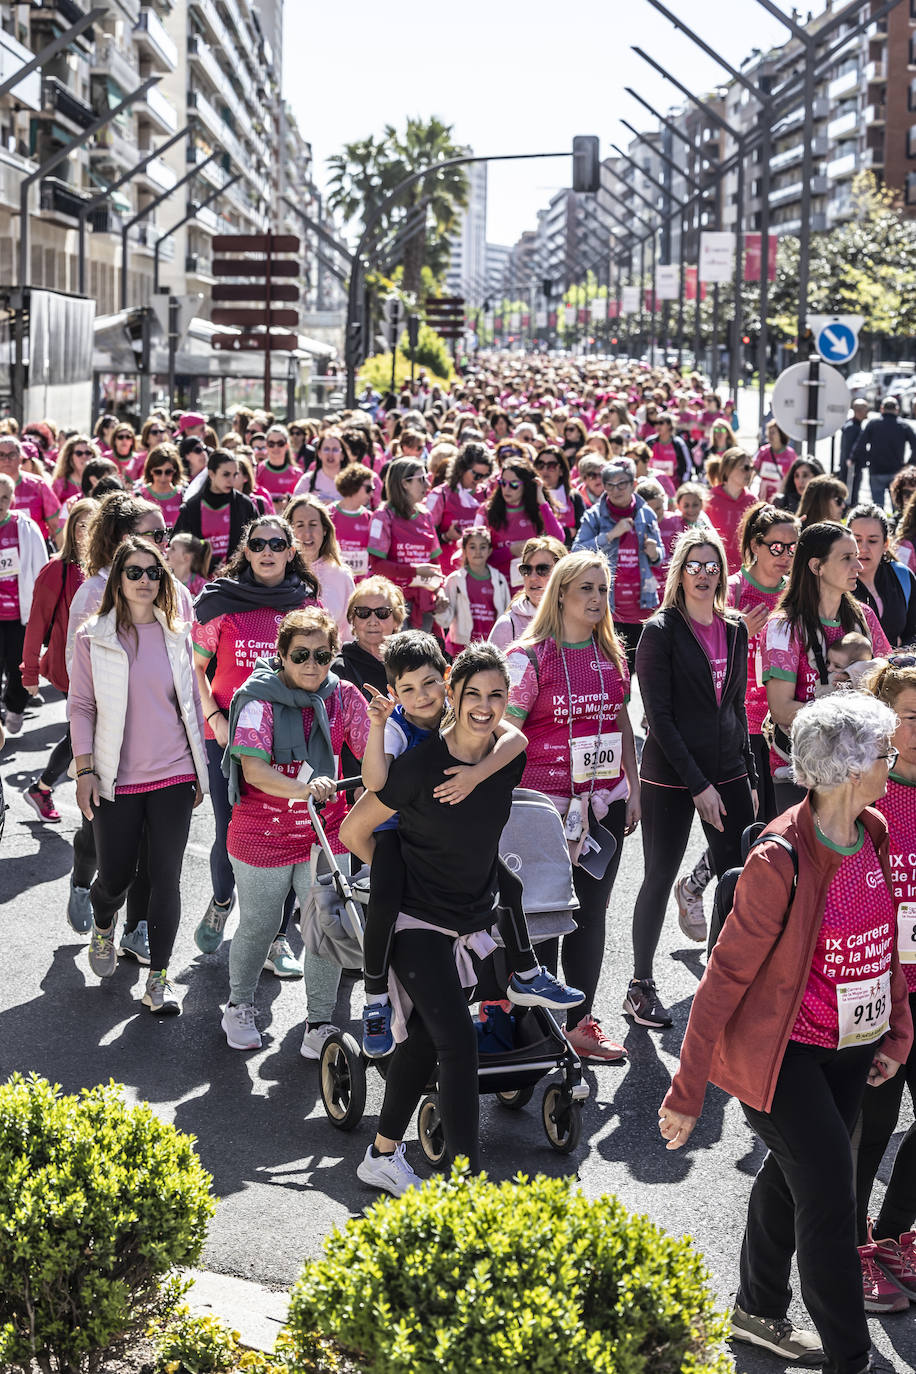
{"x": 562, "y": 1120}
{"x": 515, "y": 1101}
{"x": 342, "y": 1076}
{"x": 430, "y": 1132}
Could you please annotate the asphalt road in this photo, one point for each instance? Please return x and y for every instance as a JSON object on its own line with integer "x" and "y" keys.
{"x": 284, "y": 1175}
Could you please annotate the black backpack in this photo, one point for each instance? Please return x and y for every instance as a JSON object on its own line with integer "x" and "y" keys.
{"x": 725, "y": 892}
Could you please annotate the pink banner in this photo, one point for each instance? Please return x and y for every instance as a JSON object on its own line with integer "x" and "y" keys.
{"x": 753, "y": 257}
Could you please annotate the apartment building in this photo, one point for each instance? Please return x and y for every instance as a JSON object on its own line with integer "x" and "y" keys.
{"x": 467, "y": 271}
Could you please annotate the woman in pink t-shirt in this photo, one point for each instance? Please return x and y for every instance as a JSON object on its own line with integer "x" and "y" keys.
{"x": 518, "y": 510}
{"x": 403, "y": 544}
{"x": 352, "y": 517}
{"x": 73, "y": 457}
{"x": 137, "y": 736}
{"x": 773, "y": 460}
{"x": 160, "y": 483}
{"x": 459, "y": 499}
{"x": 729, "y": 498}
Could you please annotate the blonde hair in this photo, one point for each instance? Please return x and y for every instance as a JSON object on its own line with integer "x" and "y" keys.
{"x": 680, "y": 554}
{"x": 379, "y": 586}
{"x": 548, "y": 619}
{"x": 538, "y": 542}
{"x": 330, "y": 549}
{"x": 85, "y": 508}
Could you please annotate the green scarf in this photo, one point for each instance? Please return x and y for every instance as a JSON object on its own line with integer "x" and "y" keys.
{"x": 289, "y": 742}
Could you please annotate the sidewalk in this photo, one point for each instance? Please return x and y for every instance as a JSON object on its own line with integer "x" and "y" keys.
{"x": 257, "y": 1313}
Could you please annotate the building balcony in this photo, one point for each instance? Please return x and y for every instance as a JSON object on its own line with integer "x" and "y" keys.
{"x": 206, "y": 221}
{"x": 157, "y": 175}
{"x": 57, "y": 16}
{"x": 817, "y": 223}
{"x": 199, "y": 266}
{"x": 152, "y": 39}
{"x": 872, "y": 158}
{"x": 13, "y": 57}
{"x": 58, "y": 99}
{"x": 842, "y": 167}
{"x": 875, "y": 115}
{"x": 784, "y": 195}
{"x": 113, "y": 60}
{"x": 115, "y": 148}
{"x": 156, "y": 110}
{"x": 846, "y": 84}
{"x": 875, "y": 71}
{"x": 794, "y": 155}
{"x": 203, "y": 60}
{"x": 223, "y": 41}
{"x": 59, "y": 199}
{"x": 796, "y": 118}
{"x": 845, "y": 126}
{"x": 243, "y": 32}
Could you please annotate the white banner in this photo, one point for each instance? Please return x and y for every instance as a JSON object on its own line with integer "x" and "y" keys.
{"x": 569, "y": 314}
{"x": 599, "y": 309}
{"x": 667, "y": 282}
{"x": 515, "y": 320}
{"x": 540, "y": 319}
{"x": 629, "y": 300}
{"x": 717, "y": 256}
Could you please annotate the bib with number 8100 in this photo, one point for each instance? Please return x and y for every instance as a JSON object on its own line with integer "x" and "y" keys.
{"x": 596, "y": 756}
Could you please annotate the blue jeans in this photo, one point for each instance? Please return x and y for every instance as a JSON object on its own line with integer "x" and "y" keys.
{"x": 879, "y": 484}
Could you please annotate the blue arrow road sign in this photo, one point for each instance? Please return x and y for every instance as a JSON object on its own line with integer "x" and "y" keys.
{"x": 836, "y": 343}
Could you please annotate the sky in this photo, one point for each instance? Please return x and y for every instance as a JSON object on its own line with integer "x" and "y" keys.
{"x": 510, "y": 78}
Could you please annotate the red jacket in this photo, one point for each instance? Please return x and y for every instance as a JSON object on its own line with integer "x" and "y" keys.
{"x": 745, "y": 1006}
{"x": 55, "y": 588}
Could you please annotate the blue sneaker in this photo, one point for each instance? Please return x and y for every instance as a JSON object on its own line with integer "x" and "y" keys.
{"x": 209, "y": 934}
{"x": 135, "y": 943}
{"x": 377, "y": 1037}
{"x": 79, "y": 909}
{"x": 543, "y": 990}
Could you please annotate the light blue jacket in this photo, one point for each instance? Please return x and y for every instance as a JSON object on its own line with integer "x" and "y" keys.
{"x": 594, "y": 531}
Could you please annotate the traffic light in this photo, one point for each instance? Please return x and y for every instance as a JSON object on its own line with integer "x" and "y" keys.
{"x": 586, "y": 163}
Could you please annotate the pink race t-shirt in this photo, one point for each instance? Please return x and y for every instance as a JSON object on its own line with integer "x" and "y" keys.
{"x": 266, "y": 831}
{"x": 725, "y": 513}
{"x": 744, "y": 594}
{"x": 540, "y": 697}
{"x": 9, "y": 567}
{"x": 518, "y": 527}
{"x": 627, "y": 581}
{"x": 483, "y": 611}
{"x": 898, "y": 807}
{"x": 352, "y": 530}
{"x": 715, "y": 646}
{"x": 238, "y": 640}
{"x": 664, "y": 465}
{"x": 169, "y": 505}
{"x": 772, "y": 468}
{"x": 459, "y": 508}
{"x": 214, "y": 526}
{"x": 37, "y": 499}
{"x": 847, "y": 998}
{"x": 279, "y": 482}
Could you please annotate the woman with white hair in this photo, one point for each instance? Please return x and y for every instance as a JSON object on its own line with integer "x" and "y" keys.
{"x": 803, "y": 1003}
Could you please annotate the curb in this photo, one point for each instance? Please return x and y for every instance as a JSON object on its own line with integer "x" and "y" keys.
{"x": 257, "y": 1313}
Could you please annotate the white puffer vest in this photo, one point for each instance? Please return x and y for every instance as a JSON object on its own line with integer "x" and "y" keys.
{"x": 110, "y": 678}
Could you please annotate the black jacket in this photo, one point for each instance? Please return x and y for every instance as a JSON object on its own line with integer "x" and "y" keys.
{"x": 356, "y": 665}
{"x": 898, "y": 616}
{"x": 242, "y": 510}
{"x": 693, "y": 740}
{"x": 883, "y": 444}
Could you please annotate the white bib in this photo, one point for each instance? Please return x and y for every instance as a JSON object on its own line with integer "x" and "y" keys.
{"x": 9, "y": 561}
{"x": 357, "y": 560}
{"x": 906, "y": 932}
{"x": 863, "y": 1010}
{"x": 598, "y": 757}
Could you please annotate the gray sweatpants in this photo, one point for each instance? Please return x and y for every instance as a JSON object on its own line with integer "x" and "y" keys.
{"x": 262, "y": 892}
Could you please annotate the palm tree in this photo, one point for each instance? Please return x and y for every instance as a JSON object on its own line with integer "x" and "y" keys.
{"x": 367, "y": 170}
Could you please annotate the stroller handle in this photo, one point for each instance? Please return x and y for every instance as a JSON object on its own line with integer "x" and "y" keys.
{"x": 349, "y": 784}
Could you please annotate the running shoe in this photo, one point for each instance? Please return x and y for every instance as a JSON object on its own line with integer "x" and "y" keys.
{"x": 643, "y": 1004}
{"x": 103, "y": 957}
{"x": 160, "y": 995}
{"x": 879, "y": 1292}
{"x": 543, "y": 990}
{"x": 13, "y": 722}
{"x": 281, "y": 960}
{"x": 690, "y": 914}
{"x": 42, "y": 804}
{"x": 779, "y": 1335}
{"x": 240, "y": 1027}
{"x": 135, "y": 943}
{"x": 377, "y": 1037}
{"x": 897, "y": 1259}
{"x": 590, "y": 1042}
{"x": 390, "y": 1172}
{"x": 79, "y": 909}
{"x": 209, "y": 934}
{"x": 313, "y": 1040}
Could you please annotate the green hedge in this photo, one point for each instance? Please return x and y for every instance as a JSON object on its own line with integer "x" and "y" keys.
{"x": 473, "y": 1277}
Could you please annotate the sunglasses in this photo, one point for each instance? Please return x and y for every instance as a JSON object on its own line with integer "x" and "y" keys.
{"x": 130, "y": 436}
{"x": 163, "y": 472}
{"x": 902, "y": 660}
{"x": 157, "y": 429}
{"x": 276, "y": 443}
{"x": 777, "y": 548}
{"x": 293, "y": 430}
{"x": 543, "y": 463}
{"x": 157, "y": 536}
{"x": 510, "y": 486}
{"x": 364, "y": 612}
{"x": 276, "y": 545}
{"x": 321, "y": 656}
{"x": 510, "y": 453}
{"x": 694, "y": 567}
{"x": 536, "y": 569}
{"x": 134, "y": 573}
{"x": 481, "y": 476}
{"x": 82, "y": 453}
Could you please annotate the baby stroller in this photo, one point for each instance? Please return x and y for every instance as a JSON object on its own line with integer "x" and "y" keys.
{"x": 533, "y": 845}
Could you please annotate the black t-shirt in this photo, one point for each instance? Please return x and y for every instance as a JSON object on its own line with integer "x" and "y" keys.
{"x": 450, "y": 852}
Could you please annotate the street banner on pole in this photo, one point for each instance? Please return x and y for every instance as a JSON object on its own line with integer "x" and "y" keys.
{"x": 630, "y": 300}
{"x": 515, "y": 321}
{"x": 569, "y": 314}
{"x": 613, "y": 309}
{"x": 599, "y": 309}
{"x": 717, "y": 256}
{"x": 667, "y": 283}
{"x": 540, "y": 319}
{"x": 753, "y": 257}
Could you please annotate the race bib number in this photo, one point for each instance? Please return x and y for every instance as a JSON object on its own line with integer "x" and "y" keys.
{"x": 9, "y": 561}
{"x": 357, "y": 560}
{"x": 598, "y": 757}
{"x": 863, "y": 1011}
{"x": 515, "y": 577}
{"x": 906, "y": 932}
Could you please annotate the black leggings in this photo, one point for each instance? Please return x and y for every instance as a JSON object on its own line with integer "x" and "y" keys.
{"x": 385, "y": 893}
{"x": 84, "y": 867}
{"x": 802, "y": 1200}
{"x": 120, "y": 827}
{"x": 667, "y": 815}
{"x": 877, "y": 1123}
{"x": 766, "y": 793}
{"x": 59, "y": 762}
{"x": 12, "y": 638}
{"x": 439, "y": 1030}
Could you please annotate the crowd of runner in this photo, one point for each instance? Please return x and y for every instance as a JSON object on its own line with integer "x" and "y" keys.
{"x": 451, "y": 593}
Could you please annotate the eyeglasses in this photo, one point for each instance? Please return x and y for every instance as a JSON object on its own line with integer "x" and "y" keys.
{"x": 380, "y": 612}
{"x": 163, "y": 472}
{"x": 543, "y": 463}
{"x": 618, "y": 486}
{"x": 276, "y": 545}
{"x": 902, "y": 660}
{"x": 694, "y": 567}
{"x": 536, "y": 569}
{"x": 276, "y": 443}
{"x": 321, "y": 656}
{"x": 890, "y": 757}
{"x": 130, "y": 436}
{"x": 481, "y": 476}
{"x": 157, "y": 536}
{"x": 134, "y": 573}
{"x": 509, "y": 485}
{"x": 777, "y": 548}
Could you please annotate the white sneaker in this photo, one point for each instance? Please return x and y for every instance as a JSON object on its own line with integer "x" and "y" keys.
{"x": 690, "y": 914}
{"x": 313, "y": 1041}
{"x": 240, "y": 1027}
{"x": 390, "y": 1172}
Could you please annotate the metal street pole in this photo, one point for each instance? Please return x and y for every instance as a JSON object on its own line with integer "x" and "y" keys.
{"x": 51, "y": 50}
{"x": 192, "y": 213}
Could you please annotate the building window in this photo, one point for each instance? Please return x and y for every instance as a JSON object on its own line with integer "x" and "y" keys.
{"x": 910, "y": 194}
{"x": 911, "y": 92}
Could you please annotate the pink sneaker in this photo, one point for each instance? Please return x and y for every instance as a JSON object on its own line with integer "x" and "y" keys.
{"x": 897, "y": 1259}
{"x": 590, "y": 1042}
{"x": 881, "y": 1295}
{"x": 41, "y": 803}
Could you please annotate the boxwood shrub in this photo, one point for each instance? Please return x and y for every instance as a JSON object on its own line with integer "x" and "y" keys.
{"x": 99, "y": 1202}
{"x": 475, "y": 1277}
